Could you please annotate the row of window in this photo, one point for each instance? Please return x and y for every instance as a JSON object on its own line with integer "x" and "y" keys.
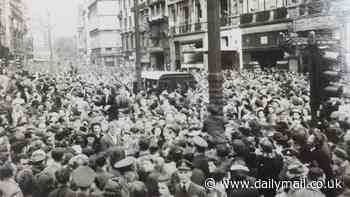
{"x": 128, "y": 41}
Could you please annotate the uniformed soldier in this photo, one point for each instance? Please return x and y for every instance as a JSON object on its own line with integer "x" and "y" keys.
{"x": 187, "y": 188}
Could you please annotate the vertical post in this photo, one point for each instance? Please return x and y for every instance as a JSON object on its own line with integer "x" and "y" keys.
{"x": 49, "y": 37}
{"x": 138, "y": 68}
{"x": 215, "y": 77}
{"x": 314, "y": 62}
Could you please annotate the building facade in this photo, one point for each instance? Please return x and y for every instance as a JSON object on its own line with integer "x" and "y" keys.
{"x": 83, "y": 33}
{"x": 13, "y": 28}
{"x": 104, "y": 34}
{"x": 189, "y": 34}
{"x": 127, "y": 21}
{"x": 173, "y": 33}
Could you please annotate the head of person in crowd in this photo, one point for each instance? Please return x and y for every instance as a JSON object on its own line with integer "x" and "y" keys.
{"x": 184, "y": 172}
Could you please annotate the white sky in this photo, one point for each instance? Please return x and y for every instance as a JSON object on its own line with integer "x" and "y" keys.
{"x": 63, "y": 15}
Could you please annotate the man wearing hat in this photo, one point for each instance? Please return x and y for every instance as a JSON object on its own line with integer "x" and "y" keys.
{"x": 214, "y": 125}
{"x": 43, "y": 182}
{"x": 125, "y": 168}
{"x": 82, "y": 179}
{"x": 200, "y": 160}
{"x": 112, "y": 138}
{"x": 62, "y": 179}
{"x": 269, "y": 164}
{"x": 186, "y": 187}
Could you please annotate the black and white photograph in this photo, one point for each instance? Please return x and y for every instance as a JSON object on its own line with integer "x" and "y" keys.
{"x": 174, "y": 98}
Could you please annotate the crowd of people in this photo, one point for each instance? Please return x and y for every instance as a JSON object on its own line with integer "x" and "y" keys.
{"x": 86, "y": 134}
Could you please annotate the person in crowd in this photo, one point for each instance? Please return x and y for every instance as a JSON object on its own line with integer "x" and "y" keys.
{"x": 85, "y": 133}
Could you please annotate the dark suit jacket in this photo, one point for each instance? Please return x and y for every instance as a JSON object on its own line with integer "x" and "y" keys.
{"x": 200, "y": 161}
{"x": 107, "y": 142}
{"x": 193, "y": 190}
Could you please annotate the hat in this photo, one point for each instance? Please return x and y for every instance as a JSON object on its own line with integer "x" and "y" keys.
{"x": 115, "y": 187}
{"x": 83, "y": 176}
{"x": 163, "y": 178}
{"x": 193, "y": 133}
{"x": 38, "y": 155}
{"x": 184, "y": 164}
{"x": 289, "y": 152}
{"x": 239, "y": 167}
{"x": 266, "y": 145}
{"x": 198, "y": 141}
{"x": 126, "y": 162}
{"x": 279, "y": 137}
{"x": 296, "y": 170}
{"x": 341, "y": 153}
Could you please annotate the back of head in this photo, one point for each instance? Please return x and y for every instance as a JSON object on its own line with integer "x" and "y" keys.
{"x": 137, "y": 189}
{"x": 62, "y": 175}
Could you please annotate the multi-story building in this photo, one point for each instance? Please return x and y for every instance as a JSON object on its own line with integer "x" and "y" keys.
{"x": 262, "y": 22}
{"x": 104, "y": 32}
{"x": 174, "y": 32}
{"x": 159, "y": 37}
{"x": 13, "y": 27}
{"x": 127, "y": 21}
{"x": 83, "y": 33}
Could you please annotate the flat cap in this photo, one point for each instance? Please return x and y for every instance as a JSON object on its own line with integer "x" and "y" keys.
{"x": 198, "y": 141}
{"x": 83, "y": 176}
{"x": 38, "y": 155}
{"x": 126, "y": 162}
{"x": 184, "y": 164}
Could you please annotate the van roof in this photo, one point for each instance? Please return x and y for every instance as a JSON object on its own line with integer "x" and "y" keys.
{"x": 156, "y": 75}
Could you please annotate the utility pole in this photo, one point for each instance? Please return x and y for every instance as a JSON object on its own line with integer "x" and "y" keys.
{"x": 49, "y": 37}
{"x": 315, "y": 81}
{"x": 215, "y": 77}
{"x": 137, "y": 48}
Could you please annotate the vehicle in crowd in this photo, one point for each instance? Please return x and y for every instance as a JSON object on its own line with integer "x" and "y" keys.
{"x": 157, "y": 81}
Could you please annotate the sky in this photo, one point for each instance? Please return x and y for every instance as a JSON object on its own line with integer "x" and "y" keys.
{"x": 63, "y": 15}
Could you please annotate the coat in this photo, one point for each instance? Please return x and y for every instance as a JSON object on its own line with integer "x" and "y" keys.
{"x": 345, "y": 193}
{"x": 107, "y": 142}
{"x": 9, "y": 188}
{"x": 193, "y": 190}
{"x": 200, "y": 161}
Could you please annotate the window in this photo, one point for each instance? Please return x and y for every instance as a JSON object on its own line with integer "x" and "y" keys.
{"x": 109, "y": 49}
{"x": 263, "y": 40}
{"x": 225, "y": 41}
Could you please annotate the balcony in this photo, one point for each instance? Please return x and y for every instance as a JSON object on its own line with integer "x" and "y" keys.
{"x": 246, "y": 18}
{"x": 280, "y": 13}
{"x": 188, "y": 28}
{"x": 262, "y": 16}
{"x": 151, "y": 2}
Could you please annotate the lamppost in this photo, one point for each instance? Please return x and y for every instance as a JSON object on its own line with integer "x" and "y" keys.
{"x": 215, "y": 77}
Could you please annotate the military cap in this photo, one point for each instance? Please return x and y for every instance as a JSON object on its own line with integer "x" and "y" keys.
{"x": 38, "y": 155}
{"x": 83, "y": 176}
{"x": 341, "y": 153}
{"x": 198, "y": 141}
{"x": 239, "y": 167}
{"x": 184, "y": 164}
{"x": 128, "y": 161}
{"x": 266, "y": 145}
